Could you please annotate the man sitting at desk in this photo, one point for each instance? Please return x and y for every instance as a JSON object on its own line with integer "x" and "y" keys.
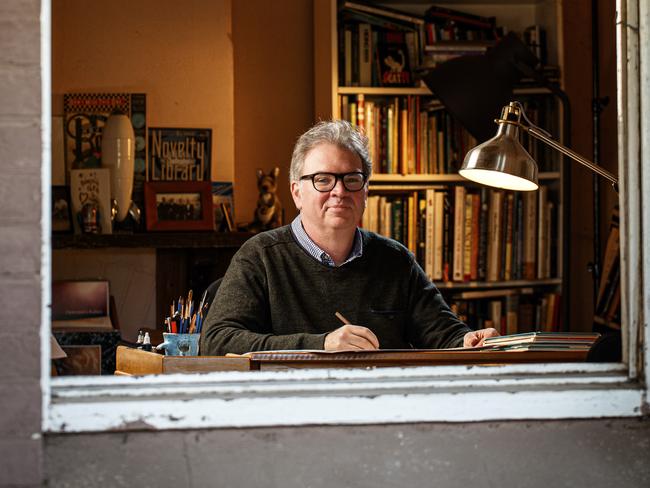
{"x": 284, "y": 286}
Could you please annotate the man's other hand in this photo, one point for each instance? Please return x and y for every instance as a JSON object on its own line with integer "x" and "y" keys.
{"x": 475, "y": 338}
{"x": 351, "y": 337}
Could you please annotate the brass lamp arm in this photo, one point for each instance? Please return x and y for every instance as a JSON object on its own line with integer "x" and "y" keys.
{"x": 539, "y": 134}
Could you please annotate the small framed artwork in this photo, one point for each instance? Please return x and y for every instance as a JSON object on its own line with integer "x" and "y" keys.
{"x": 90, "y": 195}
{"x": 61, "y": 221}
{"x": 80, "y": 360}
{"x": 179, "y": 205}
{"x": 226, "y": 210}
{"x": 81, "y": 305}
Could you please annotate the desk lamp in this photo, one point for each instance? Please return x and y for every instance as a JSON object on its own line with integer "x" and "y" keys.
{"x": 502, "y": 162}
{"x": 473, "y": 89}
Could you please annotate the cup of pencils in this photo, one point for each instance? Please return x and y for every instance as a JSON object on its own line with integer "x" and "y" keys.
{"x": 183, "y": 327}
{"x": 179, "y": 344}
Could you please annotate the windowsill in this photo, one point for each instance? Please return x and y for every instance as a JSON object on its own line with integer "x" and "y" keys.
{"x": 321, "y": 397}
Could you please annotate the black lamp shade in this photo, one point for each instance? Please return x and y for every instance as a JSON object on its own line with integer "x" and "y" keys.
{"x": 474, "y": 88}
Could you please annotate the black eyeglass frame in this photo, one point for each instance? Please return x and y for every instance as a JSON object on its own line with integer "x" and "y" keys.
{"x": 337, "y": 177}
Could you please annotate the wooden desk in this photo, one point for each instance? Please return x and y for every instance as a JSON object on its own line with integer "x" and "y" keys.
{"x": 137, "y": 362}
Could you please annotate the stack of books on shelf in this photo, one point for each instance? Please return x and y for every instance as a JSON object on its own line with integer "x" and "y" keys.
{"x": 414, "y": 134}
{"x": 464, "y": 234}
{"x": 408, "y": 134}
{"x": 378, "y": 46}
{"x": 452, "y": 33}
{"x": 494, "y": 254}
{"x": 384, "y": 47}
{"x": 509, "y": 310}
{"x": 543, "y": 341}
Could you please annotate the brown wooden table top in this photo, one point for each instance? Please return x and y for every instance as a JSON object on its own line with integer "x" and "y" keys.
{"x": 137, "y": 362}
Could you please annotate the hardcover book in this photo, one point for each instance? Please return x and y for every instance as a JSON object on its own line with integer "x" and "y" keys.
{"x": 179, "y": 154}
{"x": 393, "y": 59}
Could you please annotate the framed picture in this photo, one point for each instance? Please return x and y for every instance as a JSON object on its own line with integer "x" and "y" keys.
{"x": 222, "y": 196}
{"x": 81, "y": 305}
{"x": 179, "y": 205}
{"x": 179, "y": 154}
{"x": 61, "y": 221}
{"x": 80, "y": 360}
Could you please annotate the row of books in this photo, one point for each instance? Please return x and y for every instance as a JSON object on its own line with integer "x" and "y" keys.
{"x": 443, "y": 51}
{"x": 445, "y": 24}
{"x": 464, "y": 234}
{"x": 377, "y": 46}
{"x": 381, "y": 46}
{"x": 414, "y": 134}
{"x": 369, "y": 56}
{"x": 409, "y": 134}
{"x": 510, "y": 311}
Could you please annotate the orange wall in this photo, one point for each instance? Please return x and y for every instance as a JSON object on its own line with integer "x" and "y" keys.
{"x": 242, "y": 68}
{"x": 274, "y": 97}
{"x": 178, "y": 53}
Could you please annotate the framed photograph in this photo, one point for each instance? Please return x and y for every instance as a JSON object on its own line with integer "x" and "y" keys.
{"x": 61, "y": 221}
{"x": 179, "y": 205}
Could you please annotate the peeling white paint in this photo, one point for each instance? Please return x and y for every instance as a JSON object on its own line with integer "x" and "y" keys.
{"x": 271, "y": 410}
{"x": 307, "y": 397}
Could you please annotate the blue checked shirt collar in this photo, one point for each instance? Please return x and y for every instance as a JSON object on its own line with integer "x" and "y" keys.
{"x": 313, "y": 250}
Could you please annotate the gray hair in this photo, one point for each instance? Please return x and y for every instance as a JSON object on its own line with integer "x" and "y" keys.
{"x": 338, "y": 132}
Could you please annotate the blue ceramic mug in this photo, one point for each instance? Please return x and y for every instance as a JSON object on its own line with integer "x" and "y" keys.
{"x": 179, "y": 344}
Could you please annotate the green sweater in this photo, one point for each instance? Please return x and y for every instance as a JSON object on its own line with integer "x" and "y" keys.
{"x": 276, "y": 296}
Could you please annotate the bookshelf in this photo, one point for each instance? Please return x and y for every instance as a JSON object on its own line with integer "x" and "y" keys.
{"x": 510, "y": 274}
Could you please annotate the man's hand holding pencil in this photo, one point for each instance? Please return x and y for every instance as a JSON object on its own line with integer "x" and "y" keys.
{"x": 350, "y": 337}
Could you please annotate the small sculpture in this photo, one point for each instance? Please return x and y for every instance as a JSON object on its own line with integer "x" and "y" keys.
{"x": 118, "y": 154}
{"x": 88, "y": 218}
{"x": 268, "y": 213}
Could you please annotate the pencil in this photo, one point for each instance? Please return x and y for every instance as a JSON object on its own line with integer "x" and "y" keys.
{"x": 342, "y": 318}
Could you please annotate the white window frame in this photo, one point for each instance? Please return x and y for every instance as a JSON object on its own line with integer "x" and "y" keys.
{"x": 390, "y": 395}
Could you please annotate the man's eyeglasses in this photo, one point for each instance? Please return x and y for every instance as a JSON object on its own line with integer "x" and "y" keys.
{"x": 325, "y": 182}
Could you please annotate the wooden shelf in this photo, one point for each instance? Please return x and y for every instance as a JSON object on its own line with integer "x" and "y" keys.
{"x": 377, "y": 90}
{"x": 155, "y": 240}
{"x": 453, "y": 285}
{"x": 422, "y": 90}
{"x": 379, "y": 180}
